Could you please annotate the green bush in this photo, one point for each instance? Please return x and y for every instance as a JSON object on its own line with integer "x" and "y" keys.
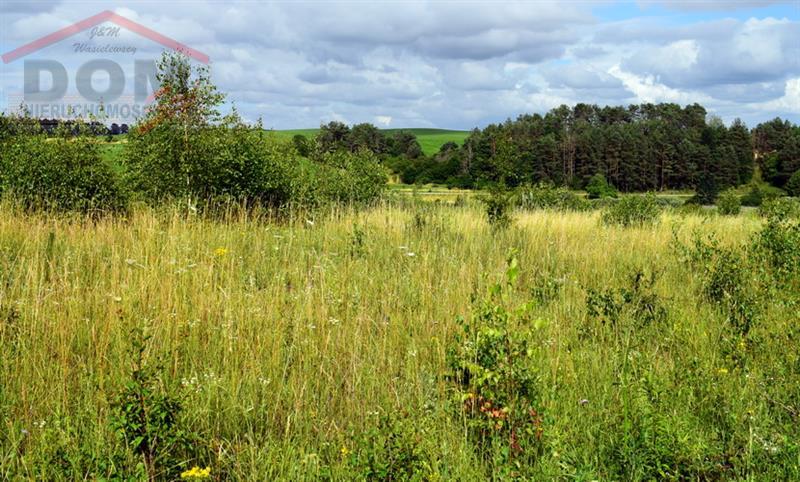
{"x": 62, "y": 173}
{"x": 728, "y": 203}
{"x": 338, "y": 177}
{"x": 498, "y": 207}
{"x": 226, "y": 161}
{"x": 547, "y": 196}
{"x": 184, "y": 149}
{"x": 395, "y": 449}
{"x": 639, "y": 303}
{"x": 147, "y": 417}
{"x": 496, "y": 385}
{"x": 598, "y": 188}
{"x": 754, "y": 196}
{"x": 793, "y": 185}
{"x": 633, "y": 210}
{"x": 781, "y": 208}
{"x": 778, "y": 244}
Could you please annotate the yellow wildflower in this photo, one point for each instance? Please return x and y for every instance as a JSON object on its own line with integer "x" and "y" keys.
{"x": 220, "y": 252}
{"x": 345, "y": 451}
{"x": 722, "y": 371}
{"x": 196, "y": 473}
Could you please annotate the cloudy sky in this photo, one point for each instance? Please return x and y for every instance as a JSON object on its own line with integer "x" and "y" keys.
{"x": 449, "y": 64}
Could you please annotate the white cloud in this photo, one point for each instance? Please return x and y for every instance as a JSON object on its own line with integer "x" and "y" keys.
{"x": 789, "y": 102}
{"x": 448, "y": 64}
{"x": 648, "y": 89}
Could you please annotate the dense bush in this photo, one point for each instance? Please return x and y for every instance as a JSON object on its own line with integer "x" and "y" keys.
{"x": 340, "y": 176}
{"x": 778, "y": 244}
{"x": 598, "y": 188}
{"x": 793, "y": 185}
{"x": 184, "y": 149}
{"x": 781, "y": 208}
{"x": 63, "y": 173}
{"x": 638, "y": 304}
{"x": 728, "y": 203}
{"x": 633, "y": 210}
{"x": 498, "y": 207}
{"x": 229, "y": 160}
{"x": 754, "y": 196}
{"x": 547, "y": 196}
{"x": 395, "y": 449}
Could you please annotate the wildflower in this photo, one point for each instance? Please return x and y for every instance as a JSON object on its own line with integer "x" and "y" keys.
{"x": 722, "y": 371}
{"x": 345, "y": 451}
{"x": 220, "y": 252}
{"x": 196, "y": 473}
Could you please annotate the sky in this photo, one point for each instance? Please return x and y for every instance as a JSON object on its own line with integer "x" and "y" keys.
{"x": 446, "y": 64}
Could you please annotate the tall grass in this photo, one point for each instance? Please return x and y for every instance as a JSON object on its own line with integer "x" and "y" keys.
{"x": 288, "y": 341}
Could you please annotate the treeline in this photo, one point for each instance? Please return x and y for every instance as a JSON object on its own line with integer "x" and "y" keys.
{"x": 52, "y": 126}
{"x": 637, "y": 148}
{"x": 337, "y": 136}
{"x": 182, "y": 150}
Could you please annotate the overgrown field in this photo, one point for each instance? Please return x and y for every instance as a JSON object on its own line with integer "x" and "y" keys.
{"x": 399, "y": 342}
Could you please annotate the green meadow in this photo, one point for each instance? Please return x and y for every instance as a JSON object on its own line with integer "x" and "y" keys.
{"x": 335, "y": 345}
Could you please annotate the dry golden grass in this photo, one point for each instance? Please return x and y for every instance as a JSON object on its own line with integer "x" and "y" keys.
{"x": 286, "y": 337}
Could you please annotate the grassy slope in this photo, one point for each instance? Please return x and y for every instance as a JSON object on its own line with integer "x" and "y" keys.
{"x": 287, "y": 340}
{"x": 429, "y": 139}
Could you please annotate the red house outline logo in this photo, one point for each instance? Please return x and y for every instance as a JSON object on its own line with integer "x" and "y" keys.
{"x": 105, "y": 16}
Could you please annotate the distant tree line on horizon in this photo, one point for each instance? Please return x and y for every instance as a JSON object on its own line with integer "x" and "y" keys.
{"x": 335, "y": 136}
{"x": 52, "y": 126}
{"x": 636, "y": 148}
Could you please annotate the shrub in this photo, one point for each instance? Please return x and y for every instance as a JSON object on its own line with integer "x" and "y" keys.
{"x": 147, "y": 417}
{"x": 392, "y": 450}
{"x": 781, "y": 208}
{"x": 754, "y": 196}
{"x": 633, "y": 210}
{"x": 728, "y": 203}
{"x": 547, "y": 196}
{"x": 727, "y": 280}
{"x": 355, "y": 177}
{"x": 498, "y": 207}
{"x": 184, "y": 149}
{"x": 793, "y": 185}
{"x": 778, "y": 244}
{"x": 598, "y": 188}
{"x": 303, "y": 146}
{"x": 640, "y": 303}
{"x": 62, "y": 173}
{"x": 340, "y": 176}
{"x": 225, "y": 161}
{"x": 495, "y": 383}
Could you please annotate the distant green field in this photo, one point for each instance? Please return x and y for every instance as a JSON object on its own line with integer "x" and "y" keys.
{"x": 429, "y": 139}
